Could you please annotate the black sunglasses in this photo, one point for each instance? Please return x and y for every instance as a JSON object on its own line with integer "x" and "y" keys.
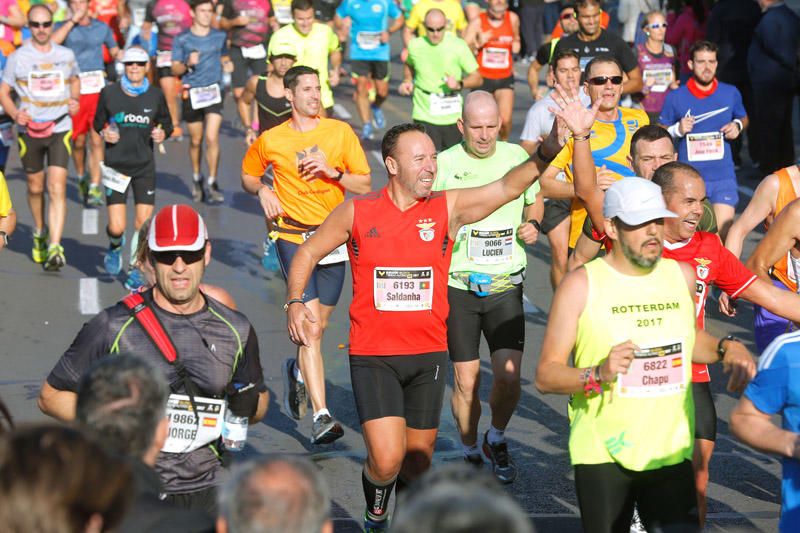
{"x": 434, "y": 30}
{"x": 602, "y": 80}
{"x": 34, "y": 24}
{"x": 567, "y": 16}
{"x": 169, "y": 258}
{"x": 137, "y": 63}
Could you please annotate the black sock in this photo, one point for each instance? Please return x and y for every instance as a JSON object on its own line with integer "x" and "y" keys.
{"x": 377, "y": 496}
{"x": 114, "y": 240}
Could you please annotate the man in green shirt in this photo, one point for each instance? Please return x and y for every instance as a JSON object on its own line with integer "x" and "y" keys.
{"x": 485, "y": 284}
{"x": 439, "y": 65}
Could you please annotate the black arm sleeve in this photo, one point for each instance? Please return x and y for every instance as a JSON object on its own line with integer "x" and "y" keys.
{"x": 90, "y": 345}
{"x": 249, "y": 368}
{"x": 101, "y": 115}
{"x": 163, "y": 117}
{"x": 148, "y": 12}
{"x": 626, "y": 57}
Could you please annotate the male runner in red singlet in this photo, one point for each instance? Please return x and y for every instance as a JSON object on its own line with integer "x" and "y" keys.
{"x": 398, "y": 333}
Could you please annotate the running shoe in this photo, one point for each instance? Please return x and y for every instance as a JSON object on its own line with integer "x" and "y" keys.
{"x": 474, "y": 460}
{"x": 113, "y": 259}
{"x": 214, "y": 195}
{"x": 371, "y": 526}
{"x": 135, "y": 280}
{"x": 503, "y": 466}
{"x": 198, "y": 193}
{"x": 295, "y": 399}
{"x": 39, "y": 251}
{"x": 325, "y": 430}
{"x": 177, "y": 134}
{"x": 366, "y": 133}
{"x": 378, "y": 118}
{"x": 55, "y": 258}
{"x": 83, "y": 188}
{"x": 95, "y": 196}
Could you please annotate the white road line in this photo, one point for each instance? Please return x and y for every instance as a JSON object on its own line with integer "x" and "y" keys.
{"x": 747, "y": 191}
{"x": 341, "y": 112}
{"x": 89, "y": 296}
{"x": 89, "y": 222}
{"x": 377, "y": 155}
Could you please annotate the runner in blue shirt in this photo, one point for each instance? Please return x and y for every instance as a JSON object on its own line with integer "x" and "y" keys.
{"x": 706, "y": 115}
{"x": 199, "y": 55}
{"x": 371, "y": 22}
{"x": 776, "y": 390}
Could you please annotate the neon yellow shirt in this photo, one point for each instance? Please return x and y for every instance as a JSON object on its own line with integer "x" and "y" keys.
{"x": 313, "y": 50}
{"x": 456, "y": 20}
{"x": 645, "y": 420}
{"x": 5, "y": 198}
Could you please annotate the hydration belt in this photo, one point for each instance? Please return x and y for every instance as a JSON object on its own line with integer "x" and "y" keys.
{"x": 486, "y": 284}
{"x": 288, "y": 220}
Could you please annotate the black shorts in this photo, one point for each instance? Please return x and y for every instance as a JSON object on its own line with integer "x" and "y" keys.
{"x": 555, "y": 211}
{"x": 499, "y": 316}
{"x": 705, "y": 414}
{"x": 144, "y": 192}
{"x": 409, "y": 386}
{"x": 326, "y": 281}
{"x": 443, "y": 136}
{"x": 377, "y": 70}
{"x": 198, "y": 115}
{"x": 164, "y": 72}
{"x": 491, "y": 85}
{"x": 32, "y": 152}
{"x": 665, "y": 498}
{"x": 244, "y": 67}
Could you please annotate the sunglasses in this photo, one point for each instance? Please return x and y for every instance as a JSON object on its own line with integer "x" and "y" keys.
{"x": 137, "y": 63}
{"x": 34, "y": 24}
{"x": 657, "y": 25}
{"x": 602, "y": 80}
{"x": 434, "y": 30}
{"x": 567, "y": 16}
{"x": 169, "y": 258}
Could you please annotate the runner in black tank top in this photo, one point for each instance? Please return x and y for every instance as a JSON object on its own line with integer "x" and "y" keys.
{"x": 268, "y": 94}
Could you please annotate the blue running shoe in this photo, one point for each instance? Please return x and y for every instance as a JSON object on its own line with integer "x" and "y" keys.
{"x": 366, "y": 133}
{"x": 373, "y": 526}
{"x": 135, "y": 280}
{"x": 113, "y": 259}
{"x": 377, "y": 117}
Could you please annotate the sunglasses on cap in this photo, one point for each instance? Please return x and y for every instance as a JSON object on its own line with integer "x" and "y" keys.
{"x": 602, "y": 80}
{"x": 657, "y": 25}
{"x": 169, "y": 257}
{"x": 434, "y": 30}
{"x": 35, "y": 24}
{"x": 137, "y": 63}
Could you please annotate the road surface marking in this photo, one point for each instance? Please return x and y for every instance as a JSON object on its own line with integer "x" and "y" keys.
{"x": 341, "y": 112}
{"x": 89, "y": 296}
{"x": 89, "y": 222}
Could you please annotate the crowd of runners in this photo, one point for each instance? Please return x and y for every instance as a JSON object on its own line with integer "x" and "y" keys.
{"x": 626, "y": 164}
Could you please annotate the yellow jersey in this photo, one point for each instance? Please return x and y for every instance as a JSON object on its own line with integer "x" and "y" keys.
{"x": 5, "y": 198}
{"x": 456, "y": 20}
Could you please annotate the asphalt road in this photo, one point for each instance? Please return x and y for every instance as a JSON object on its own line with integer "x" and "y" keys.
{"x": 42, "y": 312}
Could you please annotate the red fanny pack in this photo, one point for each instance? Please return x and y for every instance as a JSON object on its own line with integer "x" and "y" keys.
{"x": 41, "y": 130}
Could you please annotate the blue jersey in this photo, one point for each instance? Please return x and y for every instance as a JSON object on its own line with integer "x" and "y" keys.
{"x": 368, "y": 19}
{"x": 704, "y": 148}
{"x": 87, "y": 43}
{"x": 776, "y": 389}
{"x": 211, "y": 47}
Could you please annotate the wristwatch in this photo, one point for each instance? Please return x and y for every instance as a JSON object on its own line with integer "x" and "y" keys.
{"x": 338, "y": 176}
{"x": 290, "y": 302}
{"x": 4, "y": 236}
{"x": 721, "y": 349}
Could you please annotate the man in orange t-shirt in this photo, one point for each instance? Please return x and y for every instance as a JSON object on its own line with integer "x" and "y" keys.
{"x": 314, "y": 161}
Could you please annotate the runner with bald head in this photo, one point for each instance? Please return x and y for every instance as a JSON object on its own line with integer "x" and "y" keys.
{"x": 485, "y": 283}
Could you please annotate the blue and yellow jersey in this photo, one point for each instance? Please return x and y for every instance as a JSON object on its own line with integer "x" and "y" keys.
{"x": 611, "y": 143}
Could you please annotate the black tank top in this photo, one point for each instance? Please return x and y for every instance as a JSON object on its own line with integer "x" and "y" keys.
{"x": 271, "y": 111}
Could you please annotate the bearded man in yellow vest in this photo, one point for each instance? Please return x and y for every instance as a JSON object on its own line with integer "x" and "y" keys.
{"x": 629, "y": 320}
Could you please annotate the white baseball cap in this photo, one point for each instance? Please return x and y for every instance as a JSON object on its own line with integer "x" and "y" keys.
{"x": 635, "y": 201}
{"x": 135, "y": 54}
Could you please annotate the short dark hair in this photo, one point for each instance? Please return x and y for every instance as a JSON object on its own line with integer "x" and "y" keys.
{"x": 561, "y": 54}
{"x": 702, "y": 46}
{"x": 664, "y": 175}
{"x": 392, "y": 136}
{"x": 194, "y": 4}
{"x": 567, "y": 4}
{"x": 585, "y": 3}
{"x": 301, "y": 5}
{"x": 121, "y": 400}
{"x": 39, "y": 6}
{"x": 649, "y": 133}
{"x": 597, "y": 60}
{"x": 291, "y": 76}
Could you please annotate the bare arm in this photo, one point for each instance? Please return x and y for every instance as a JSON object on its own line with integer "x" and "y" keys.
{"x": 14, "y": 18}
{"x": 516, "y": 44}
{"x": 335, "y": 59}
{"x": 780, "y": 238}
{"x": 245, "y": 107}
{"x": 7, "y": 102}
{"x": 554, "y": 188}
{"x": 178, "y": 68}
{"x": 60, "y": 35}
{"x": 397, "y": 24}
{"x": 261, "y": 409}
{"x": 471, "y": 35}
{"x": 756, "y": 429}
{"x": 760, "y": 207}
{"x": 408, "y": 35}
{"x": 8, "y": 224}
{"x": 59, "y": 404}
{"x": 533, "y": 78}
{"x": 473, "y": 80}
{"x": 585, "y": 250}
{"x": 634, "y": 82}
{"x": 778, "y": 301}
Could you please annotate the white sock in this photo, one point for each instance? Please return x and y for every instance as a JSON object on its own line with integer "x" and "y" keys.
{"x": 471, "y": 450}
{"x": 134, "y": 247}
{"x": 297, "y": 375}
{"x": 211, "y": 180}
{"x": 321, "y": 412}
{"x": 197, "y": 178}
{"x": 496, "y": 436}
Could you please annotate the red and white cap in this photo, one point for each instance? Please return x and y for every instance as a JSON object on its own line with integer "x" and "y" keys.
{"x": 177, "y": 227}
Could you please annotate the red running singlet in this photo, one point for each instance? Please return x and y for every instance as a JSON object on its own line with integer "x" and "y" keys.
{"x": 495, "y": 60}
{"x": 400, "y": 262}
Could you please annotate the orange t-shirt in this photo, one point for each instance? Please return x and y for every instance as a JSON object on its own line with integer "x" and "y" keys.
{"x": 306, "y": 201}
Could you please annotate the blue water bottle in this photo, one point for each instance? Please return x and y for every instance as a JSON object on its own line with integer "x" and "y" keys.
{"x": 270, "y": 258}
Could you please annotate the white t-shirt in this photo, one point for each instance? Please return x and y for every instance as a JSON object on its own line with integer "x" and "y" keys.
{"x": 539, "y": 119}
